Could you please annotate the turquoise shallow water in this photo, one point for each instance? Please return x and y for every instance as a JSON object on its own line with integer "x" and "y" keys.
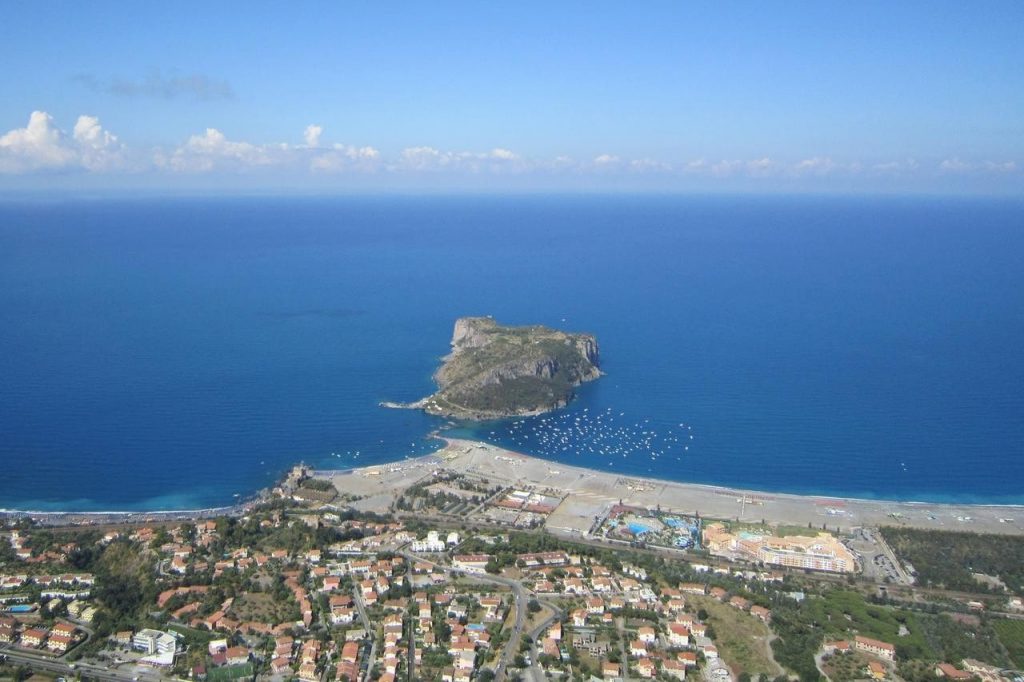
{"x": 170, "y": 354}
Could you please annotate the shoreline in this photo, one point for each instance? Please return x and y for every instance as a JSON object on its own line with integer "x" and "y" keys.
{"x": 719, "y": 489}
{"x": 588, "y": 492}
{"x": 113, "y": 512}
{"x": 738, "y": 489}
{"x": 993, "y": 517}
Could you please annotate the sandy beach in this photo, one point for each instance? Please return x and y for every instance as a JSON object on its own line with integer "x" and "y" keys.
{"x": 587, "y": 493}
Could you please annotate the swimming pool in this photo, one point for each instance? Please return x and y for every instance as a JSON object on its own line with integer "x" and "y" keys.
{"x": 21, "y": 608}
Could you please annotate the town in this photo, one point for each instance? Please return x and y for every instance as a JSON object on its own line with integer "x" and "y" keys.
{"x": 303, "y": 584}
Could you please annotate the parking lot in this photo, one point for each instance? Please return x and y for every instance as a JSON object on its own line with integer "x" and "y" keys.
{"x": 875, "y": 557}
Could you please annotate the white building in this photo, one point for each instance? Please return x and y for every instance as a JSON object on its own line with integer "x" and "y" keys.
{"x": 154, "y": 641}
{"x": 433, "y": 543}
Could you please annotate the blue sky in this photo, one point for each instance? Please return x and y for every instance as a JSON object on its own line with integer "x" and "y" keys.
{"x": 786, "y": 96}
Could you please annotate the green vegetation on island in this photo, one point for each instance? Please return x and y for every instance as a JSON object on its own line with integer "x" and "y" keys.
{"x": 496, "y": 371}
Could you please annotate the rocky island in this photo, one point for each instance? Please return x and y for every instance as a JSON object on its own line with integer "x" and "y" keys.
{"x": 496, "y": 371}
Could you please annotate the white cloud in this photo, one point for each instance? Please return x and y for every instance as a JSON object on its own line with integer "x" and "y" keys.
{"x": 341, "y": 157}
{"x": 312, "y": 135}
{"x": 88, "y": 131}
{"x": 604, "y": 164}
{"x": 1000, "y": 166}
{"x": 896, "y": 167}
{"x": 955, "y": 165}
{"x": 99, "y": 149}
{"x": 368, "y": 153}
{"x": 760, "y": 167}
{"x": 649, "y": 166}
{"x": 818, "y": 165}
{"x": 39, "y": 145}
{"x": 725, "y": 168}
{"x": 213, "y": 151}
{"x": 42, "y": 146}
{"x": 424, "y": 159}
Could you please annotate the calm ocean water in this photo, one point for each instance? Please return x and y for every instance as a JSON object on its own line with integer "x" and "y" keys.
{"x": 172, "y": 353}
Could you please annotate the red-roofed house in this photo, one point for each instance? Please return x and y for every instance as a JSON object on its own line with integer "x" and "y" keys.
{"x": 947, "y": 670}
{"x": 33, "y": 637}
{"x": 875, "y": 647}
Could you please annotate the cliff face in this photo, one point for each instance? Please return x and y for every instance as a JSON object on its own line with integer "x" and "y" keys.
{"x": 495, "y": 371}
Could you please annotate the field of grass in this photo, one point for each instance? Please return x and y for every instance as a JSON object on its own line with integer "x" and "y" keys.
{"x": 742, "y": 639}
{"x": 784, "y": 531}
{"x": 231, "y": 672}
{"x": 533, "y": 619}
{"x": 192, "y": 635}
{"x": 260, "y": 607}
{"x": 1011, "y": 634}
{"x": 780, "y": 530}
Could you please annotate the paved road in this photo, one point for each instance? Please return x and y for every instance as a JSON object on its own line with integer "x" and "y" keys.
{"x": 370, "y": 630}
{"x": 411, "y": 652}
{"x": 56, "y": 665}
{"x": 620, "y": 627}
{"x": 520, "y": 603}
{"x": 901, "y": 573}
{"x": 517, "y": 630}
{"x": 536, "y": 672}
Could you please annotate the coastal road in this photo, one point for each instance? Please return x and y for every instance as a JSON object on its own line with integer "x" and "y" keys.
{"x": 61, "y": 668}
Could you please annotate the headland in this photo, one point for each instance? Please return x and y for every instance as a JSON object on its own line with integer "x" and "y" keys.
{"x": 496, "y": 371}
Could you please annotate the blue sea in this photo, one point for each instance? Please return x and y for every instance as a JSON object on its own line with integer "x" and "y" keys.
{"x": 172, "y": 353}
